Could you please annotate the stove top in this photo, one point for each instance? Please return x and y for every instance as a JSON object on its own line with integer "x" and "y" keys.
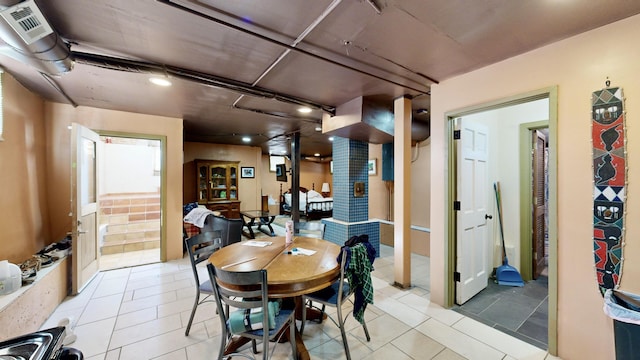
{"x": 40, "y": 345}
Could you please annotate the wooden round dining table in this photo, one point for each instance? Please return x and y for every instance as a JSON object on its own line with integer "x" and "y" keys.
{"x": 290, "y": 274}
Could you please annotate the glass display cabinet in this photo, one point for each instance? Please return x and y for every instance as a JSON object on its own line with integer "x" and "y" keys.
{"x": 217, "y": 183}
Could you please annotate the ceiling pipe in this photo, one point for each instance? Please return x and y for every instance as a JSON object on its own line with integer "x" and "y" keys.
{"x": 57, "y": 87}
{"x": 293, "y": 48}
{"x": 299, "y": 39}
{"x": 134, "y": 66}
{"x": 375, "y": 6}
{"x": 22, "y": 26}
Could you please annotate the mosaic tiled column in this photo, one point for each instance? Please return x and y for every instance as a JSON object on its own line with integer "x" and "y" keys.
{"x": 350, "y": 213}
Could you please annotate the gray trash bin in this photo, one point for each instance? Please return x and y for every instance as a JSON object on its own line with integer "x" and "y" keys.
{"x": 624, "y": 309}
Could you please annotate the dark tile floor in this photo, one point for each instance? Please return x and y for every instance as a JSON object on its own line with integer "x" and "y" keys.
{"x": 521, "y": 312}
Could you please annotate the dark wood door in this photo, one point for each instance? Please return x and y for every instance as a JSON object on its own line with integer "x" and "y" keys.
{"x": 539, "y": 203}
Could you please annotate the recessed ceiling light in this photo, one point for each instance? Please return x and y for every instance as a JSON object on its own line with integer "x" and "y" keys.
{"x": 316, "y": 154}
{"x": 318, "y": 128}
{"x": 160, "y": 81}
{"x": 304, "y": 110}
{"x": 246, "y": 139}
{"x": 330, "y": 138}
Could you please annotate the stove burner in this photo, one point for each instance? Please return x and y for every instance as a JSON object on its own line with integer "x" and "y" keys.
{"x": 35, "y": 346}
{"x": 22, "y": 351}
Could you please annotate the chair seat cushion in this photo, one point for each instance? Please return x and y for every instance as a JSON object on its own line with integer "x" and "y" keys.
{"x": 206, "y": 287}
{"x": 280, "y": 320}
{"x": 246, "y": 320}
{"x": 329, "y": 295}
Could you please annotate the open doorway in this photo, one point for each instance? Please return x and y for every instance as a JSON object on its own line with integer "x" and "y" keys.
{"x": 510, "y": 163}
{"x": 129, "y": 194}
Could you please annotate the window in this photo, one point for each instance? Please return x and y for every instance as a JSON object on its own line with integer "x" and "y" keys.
{"x": 275, "y": 160}
{"x": 157, "y": 160}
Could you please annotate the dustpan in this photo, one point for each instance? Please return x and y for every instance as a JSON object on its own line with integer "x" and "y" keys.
{"x": 508, "y": 275}
{"x": 505, "y": 274}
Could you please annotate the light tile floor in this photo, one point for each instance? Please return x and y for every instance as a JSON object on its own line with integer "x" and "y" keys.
{"x": 141, "y": 313}
{"x": 130, "y": 258}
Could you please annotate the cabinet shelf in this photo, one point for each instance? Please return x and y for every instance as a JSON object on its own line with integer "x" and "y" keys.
{"x": 217, "y": 186}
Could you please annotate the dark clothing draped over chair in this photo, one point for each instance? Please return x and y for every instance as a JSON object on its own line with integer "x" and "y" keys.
{"x": 358, "y": 282}
{"x": 358, "y": 266}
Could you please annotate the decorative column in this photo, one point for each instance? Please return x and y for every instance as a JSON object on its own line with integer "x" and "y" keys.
{"x": 351, "y": 194}
{"x": 402, "y": 193}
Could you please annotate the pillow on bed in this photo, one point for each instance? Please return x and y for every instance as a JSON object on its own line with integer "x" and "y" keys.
{"x": 312, "y": 194}
{"x": 287, "y": 197}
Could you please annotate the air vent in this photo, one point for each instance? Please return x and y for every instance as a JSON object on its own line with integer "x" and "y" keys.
{"x": 27, "y": 21}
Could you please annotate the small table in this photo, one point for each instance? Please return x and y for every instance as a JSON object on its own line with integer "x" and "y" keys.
{"x": 289, "y": 276}
{"x": 264, "y": 218}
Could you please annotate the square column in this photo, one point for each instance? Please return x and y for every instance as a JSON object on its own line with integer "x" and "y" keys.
{"x": 351, "y": 211}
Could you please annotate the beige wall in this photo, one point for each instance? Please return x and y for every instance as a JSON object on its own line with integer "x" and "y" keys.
{"x": 247, "y": 156}
{"x": 578, "y": 66}
{"x": 58, "y": 118}
{"x": 24, "y": 215}
{"x": 381, "y": 195}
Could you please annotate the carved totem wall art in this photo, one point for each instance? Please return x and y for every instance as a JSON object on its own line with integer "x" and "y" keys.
{"x": 609, "y": 177}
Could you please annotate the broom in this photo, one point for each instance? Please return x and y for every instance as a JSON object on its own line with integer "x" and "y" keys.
{"x": 506, "y": 274}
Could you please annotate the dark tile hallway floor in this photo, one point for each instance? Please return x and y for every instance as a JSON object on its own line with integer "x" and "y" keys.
{"x": 521, "y": 312}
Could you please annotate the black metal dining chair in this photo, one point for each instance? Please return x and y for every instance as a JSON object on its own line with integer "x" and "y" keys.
{"x": 199, "y": 248}
{"x": 335, "y": 295}
{"x": 230, "y": 229}
{"x": 247, "y": 292}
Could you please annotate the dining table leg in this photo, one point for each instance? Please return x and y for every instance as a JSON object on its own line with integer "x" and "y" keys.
{"x": 312, "y": 314}
{"x": 302, "y": 353}
{"x": 235, "y": 343}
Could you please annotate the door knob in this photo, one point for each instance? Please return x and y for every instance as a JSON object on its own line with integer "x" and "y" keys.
{"x": 487, "y": 216}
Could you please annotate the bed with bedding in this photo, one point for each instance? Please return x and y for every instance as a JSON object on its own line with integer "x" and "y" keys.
{"x": 312, "y": 204}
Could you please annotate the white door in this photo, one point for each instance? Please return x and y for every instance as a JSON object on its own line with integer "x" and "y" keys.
{"x": 84, "y": 206}
{"x": 472, "y": 243}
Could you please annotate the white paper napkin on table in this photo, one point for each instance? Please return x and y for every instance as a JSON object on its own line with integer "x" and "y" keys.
{"x": 257, "y": 243}
{"x": 302, "y": 251}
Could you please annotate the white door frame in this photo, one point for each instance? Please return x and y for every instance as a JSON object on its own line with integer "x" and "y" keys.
{"x": 450, "y": 229}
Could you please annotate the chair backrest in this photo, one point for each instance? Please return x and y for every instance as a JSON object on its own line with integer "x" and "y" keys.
{"x": 226, "y": 285}
{"x": 310, "y": 229}
{"x": 343, "y": 264}
{"x": 200, "y": 247}
{"x": 210, "y": 222}
{"x": 234, "y": 231}
{"x": 230, "y": 229}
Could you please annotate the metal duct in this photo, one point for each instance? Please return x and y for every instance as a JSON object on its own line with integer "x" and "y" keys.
{"x": 25, "y": 29}
{"x": 369, "y": 119}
